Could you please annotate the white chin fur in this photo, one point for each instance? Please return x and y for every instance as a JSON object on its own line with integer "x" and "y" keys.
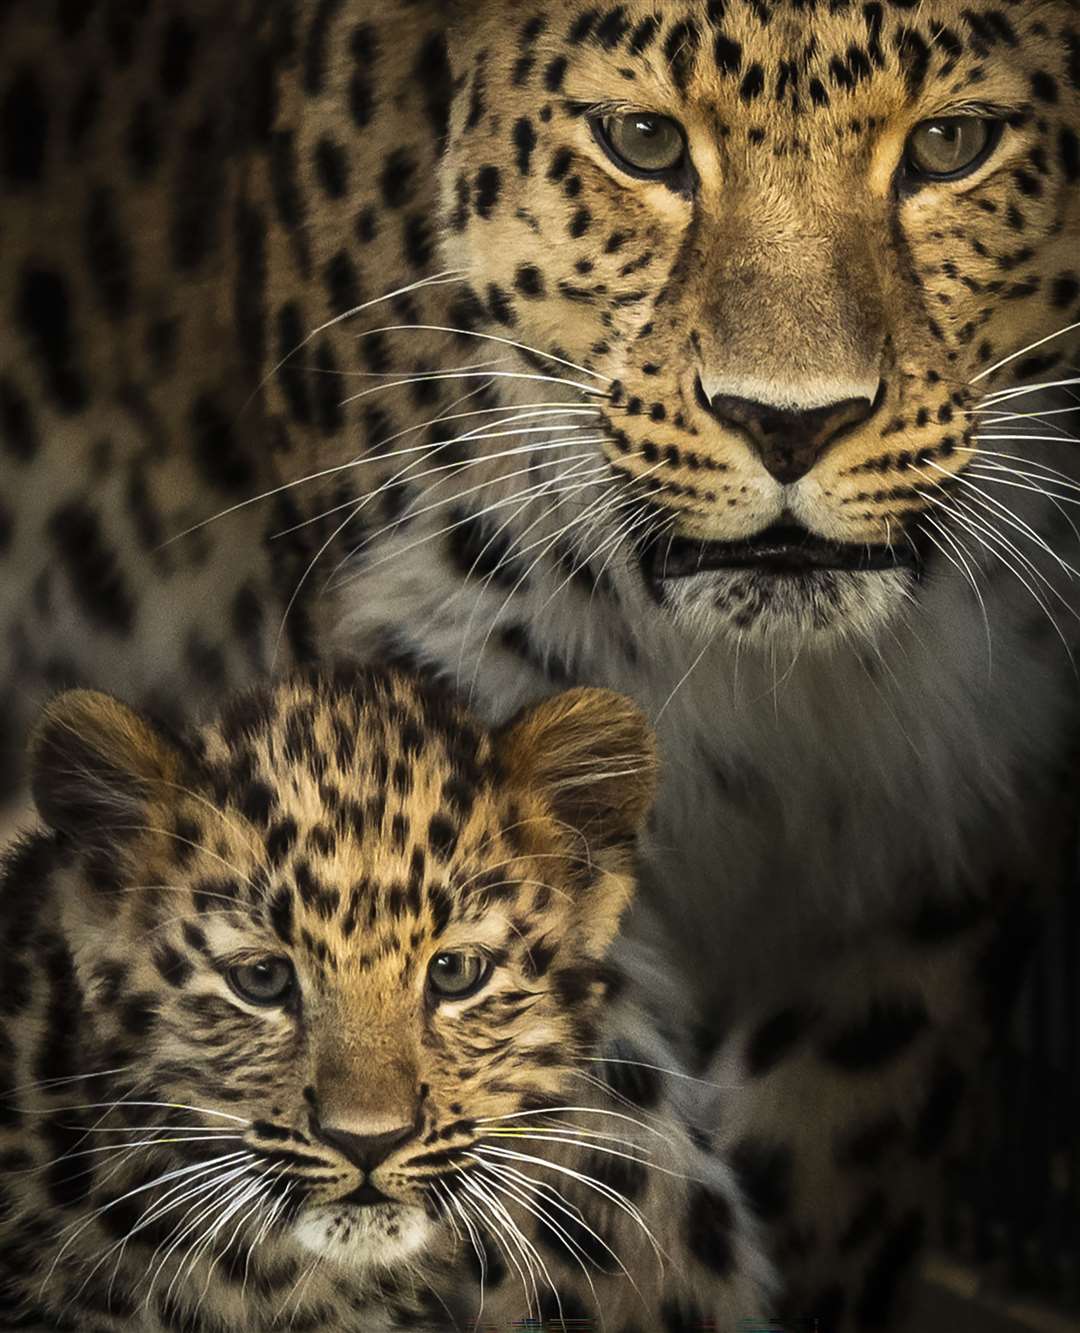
{"x": 796, "y": 611}
{"x": 358, "y": 1238}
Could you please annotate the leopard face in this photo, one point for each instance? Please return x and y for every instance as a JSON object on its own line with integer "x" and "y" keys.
{"x": 788, "y": 251}
{"x": 348, "y": 928}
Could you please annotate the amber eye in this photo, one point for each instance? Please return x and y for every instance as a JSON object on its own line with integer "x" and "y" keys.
{"x": 270, "y": 981}
{"x": 454, "y": 976}
{"x": 643, "y": 144}
{"x": 947, "y": 149}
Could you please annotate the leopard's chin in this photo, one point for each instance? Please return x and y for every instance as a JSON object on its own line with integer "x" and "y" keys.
{"x": 787, "y": 610}
{"x": 377, "y": 1236}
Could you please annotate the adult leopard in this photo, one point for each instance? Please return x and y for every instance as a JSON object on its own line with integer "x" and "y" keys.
{"x": 774, "y": 262}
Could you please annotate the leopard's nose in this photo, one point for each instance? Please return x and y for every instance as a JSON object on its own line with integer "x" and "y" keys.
{"x": 788, "y": 440}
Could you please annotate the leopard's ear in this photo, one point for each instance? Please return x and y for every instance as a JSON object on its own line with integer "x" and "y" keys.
{"x": 593, "y": 756}
{"x": 97, "y": 767}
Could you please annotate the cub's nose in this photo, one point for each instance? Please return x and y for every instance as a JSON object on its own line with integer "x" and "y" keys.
{"x": 367, "y": 1151}
{"x": 789, "y": 441}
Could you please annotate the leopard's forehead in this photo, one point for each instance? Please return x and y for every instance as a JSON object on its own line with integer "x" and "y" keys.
{"x": 846, "y": 38}
{"x": 755, "y": 65}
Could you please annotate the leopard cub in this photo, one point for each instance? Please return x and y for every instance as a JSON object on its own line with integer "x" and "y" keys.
{"x": 314, "y": 1017}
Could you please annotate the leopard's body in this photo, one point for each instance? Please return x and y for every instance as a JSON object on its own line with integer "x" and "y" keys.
{"x": 181, "y": 1150}
{"x": 841, "y": 748}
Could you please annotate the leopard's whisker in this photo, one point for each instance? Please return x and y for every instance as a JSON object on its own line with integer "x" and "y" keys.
{"x": 516, "y": 552}
{"x": 125, "y": 1148}
{"x": 210, "y": 1131}
{"x": 987, "y": 454}
{"x": 477, "y": 1245}
{"x": 619, "y": 540}
{"x": 533, "y": 856}
{"x": 509, "y": 1130}
{"x": 273, "y": 1213}
{"x": 444, "y": 1208}
{"x": 187, "y": 842}
{"x": 452, "y": 471}
{"x": 1000, "y": 414}
{"x": 370, "y": 498}
{"x": 1058, "y": 501}
{"x": 454, "y": 468}
{"x": 487, "y": 337}
{"x": 78, "y": 1227}
{"x": 163, "y": 1106}
{"x": 607, "y": 1191}
{"x": 374, "y": 453}
{"x": 972, "y": 515}
{"x": 558, "y": 485}
{"x": 960, "y": 562}
{"x": 397, "y": 374}
{"x": 47, "y": 1084}
{"x": 572, "y": 1141}
{"x": 989, "y": 539}
{"x": 200, "y": 1227}
{"x": 450, "y": 375}
{"x": 512, "y": 1190}
{"x": 546, "y": 408}
{"x": 534, "y": 883}
{"x": 607, "y": 1090}
{"x": 546, "y": 543}
{"x": 958, "y": 510}
{"x": 545, "y": 1197}
{"x": 296, "y": 1292}
{"x": 597, "y": 507}
{"x": 1021, "y": 391}
{"x": 444, "y": 279}
{"x": 1031, "y": 347}
{"x": 525, "y": 1248}
{"x": 575, "y": 471}
{"x": 151, "y": 1215}
{"x": 1024, "y": 437}
{"x": 659, "y": 1069}
{"x": 254, "y": 1197}
{"x": 1002, "y": 510}
{"x": 510, "y": 596}
{"x": 576, "y": 1110}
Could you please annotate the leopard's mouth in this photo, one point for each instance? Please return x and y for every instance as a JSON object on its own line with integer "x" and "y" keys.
{"x": 785, "y": 549}
{"x": 367, "y": 1196}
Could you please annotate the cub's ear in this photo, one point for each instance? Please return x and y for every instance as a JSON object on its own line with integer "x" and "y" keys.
{"x": 593, "y": 755}
{"x": 97, "y": 766}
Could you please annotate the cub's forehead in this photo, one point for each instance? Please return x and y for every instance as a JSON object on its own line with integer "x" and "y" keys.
{"x": 371, "y": 809}
{"x": 351, "y": 751}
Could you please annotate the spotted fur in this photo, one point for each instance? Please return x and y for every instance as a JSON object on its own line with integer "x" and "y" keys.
{"x": 178, "y": 1155}
{"x": 832, "y": 739}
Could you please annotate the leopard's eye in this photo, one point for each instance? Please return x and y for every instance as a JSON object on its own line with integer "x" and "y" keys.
{"x": 643, "y": 144}
{"x": 455, "y": 976}
{"x": 270, "y": 981}
{"x": 952, "y": 147}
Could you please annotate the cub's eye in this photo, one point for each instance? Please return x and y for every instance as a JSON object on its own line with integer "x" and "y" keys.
{"x": 642, "y": 144}
{"x": 270, "y": 981}
{"x": 955, "y": 146}
{"x": 454, "y": 976}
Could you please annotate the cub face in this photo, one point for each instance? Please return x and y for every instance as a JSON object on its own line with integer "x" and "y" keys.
{"x": 790, "y": 252}
{"x": 345, "y": 926}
